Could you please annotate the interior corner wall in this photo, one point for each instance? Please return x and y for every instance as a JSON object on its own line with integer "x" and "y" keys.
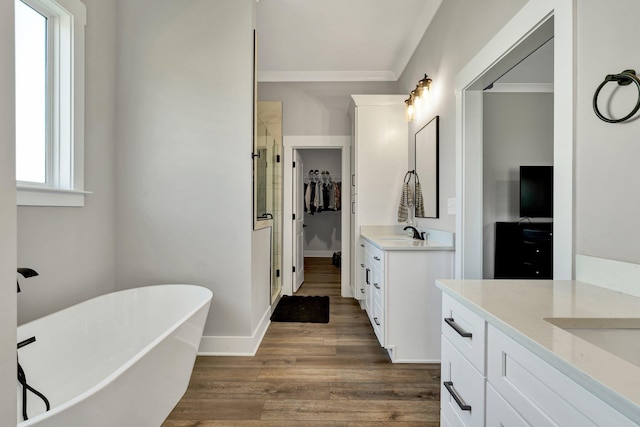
{"x": 318, "y": 108}
{"x": 184, "y": 139}
{"x": 607, "y": 193}
{"x": 8, "y": 260}
{"x": 261, "y": 265}
{"x": 517, "y": 130}
{"x": 457, "y": 32}
{"x": 73, "y": 249}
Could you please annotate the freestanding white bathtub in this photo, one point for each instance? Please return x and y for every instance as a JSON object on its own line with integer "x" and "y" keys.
{"x": 121, "y": 359}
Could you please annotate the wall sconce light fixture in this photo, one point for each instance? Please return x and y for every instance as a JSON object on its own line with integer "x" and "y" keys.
{"x": 417, "y": 97}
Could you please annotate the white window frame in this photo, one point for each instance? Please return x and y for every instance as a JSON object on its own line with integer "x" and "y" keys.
{"x": 65, "y": 182}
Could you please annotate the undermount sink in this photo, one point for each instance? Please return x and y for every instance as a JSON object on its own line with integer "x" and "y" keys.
{"x": 618, "y": 336}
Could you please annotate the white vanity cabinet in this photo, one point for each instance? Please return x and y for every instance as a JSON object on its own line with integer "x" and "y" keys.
{"x": 462, "y": 372}
{"x": 379, "y": 153}
{"x": 489, "y": 379}
{"x": 403, "y": 303}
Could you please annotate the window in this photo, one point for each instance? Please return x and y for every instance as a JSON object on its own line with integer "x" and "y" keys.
{"x": 49, "y": 37}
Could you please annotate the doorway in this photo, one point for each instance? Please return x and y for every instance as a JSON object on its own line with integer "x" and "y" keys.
{"x": 536, "y": 23}
{"x": 517, "y": 131}
{"x": 318, "y": 208}
{"x": 328, "y": 230}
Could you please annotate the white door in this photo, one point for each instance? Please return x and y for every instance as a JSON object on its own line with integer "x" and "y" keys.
{"x": 298, "y": 221}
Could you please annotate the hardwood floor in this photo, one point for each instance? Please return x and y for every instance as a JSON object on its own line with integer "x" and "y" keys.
{"x": 310, "y": 374}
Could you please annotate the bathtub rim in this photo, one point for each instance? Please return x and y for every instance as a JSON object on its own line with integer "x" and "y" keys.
{"x": 133, "y": 360}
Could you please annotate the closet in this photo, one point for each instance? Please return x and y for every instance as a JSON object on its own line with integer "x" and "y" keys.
{"x": 322, "y": 175}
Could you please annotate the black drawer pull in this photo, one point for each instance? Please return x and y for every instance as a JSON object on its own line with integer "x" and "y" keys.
{"x": 376, "y": 258}
{"x": 362, "y": 290}
{"x": 457, "y": 328}
{"x": 449, "y": 386}
{"x": 375, "y": 319}
{"x": 375, "y": 285}
{"x": 366, "y": 276}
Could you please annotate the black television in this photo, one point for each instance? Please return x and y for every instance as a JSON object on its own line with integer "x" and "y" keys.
{"x": 536, "y": 191}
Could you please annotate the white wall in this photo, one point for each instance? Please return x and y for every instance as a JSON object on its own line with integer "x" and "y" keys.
{"x": 322, "y": 232}
{"x": 607, "y": 172}
{"x": 7, "y": 219}
{"x": 260, "y": 276}
{"x": 458, "y": 31}
{"x": 184, "y": 194}
{"x": 518, "y": 130}
{"x": 73, "y": 249}
{"x": 318, "y": 108}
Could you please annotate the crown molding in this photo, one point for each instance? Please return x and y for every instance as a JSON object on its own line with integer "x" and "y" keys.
{"x": 521, "y": 87}
{"x": 326, "y": 76}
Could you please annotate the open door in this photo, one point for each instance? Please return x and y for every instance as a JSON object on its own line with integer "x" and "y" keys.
{"x": 298, "y": 222}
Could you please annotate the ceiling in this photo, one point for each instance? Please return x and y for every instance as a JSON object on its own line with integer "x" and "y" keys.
{"x": 339, "y": 40}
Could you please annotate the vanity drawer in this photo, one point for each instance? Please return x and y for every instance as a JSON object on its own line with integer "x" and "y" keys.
{"x": 461, "y": 390}
{"x": 374, "y": 254}
{"x": 465, "y": 330}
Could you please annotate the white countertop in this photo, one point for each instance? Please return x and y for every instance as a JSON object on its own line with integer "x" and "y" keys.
{"x": 393, "y": 237}
{"x": 519, "y": 308}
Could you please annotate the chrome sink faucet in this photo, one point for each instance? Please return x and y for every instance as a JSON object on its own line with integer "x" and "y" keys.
{"x": 416, "y": 234}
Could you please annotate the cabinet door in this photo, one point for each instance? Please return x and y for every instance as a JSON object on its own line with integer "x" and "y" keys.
{"x": 500, "y": 413}
{"x": 368, "y": 294}
{"x": 543, "y": 395}
{"x": 377, "y": 321}
{"x": 381, "y": 161}
{"x": 360, "y": 284}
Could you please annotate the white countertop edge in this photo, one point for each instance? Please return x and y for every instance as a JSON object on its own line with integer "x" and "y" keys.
{"x": 379, "y": 235}
{"x": 393, "y": 246}
{"x": 606, "y": 394}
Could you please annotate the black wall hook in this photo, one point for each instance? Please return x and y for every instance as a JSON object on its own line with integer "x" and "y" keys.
{"x": 625, "y": 78}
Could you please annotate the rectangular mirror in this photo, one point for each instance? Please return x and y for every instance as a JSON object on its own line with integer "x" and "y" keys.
{"x": 427, "y": 170}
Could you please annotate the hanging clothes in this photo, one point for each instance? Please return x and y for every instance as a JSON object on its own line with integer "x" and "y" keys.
{"x": 307, "y": 197}
{"x": 312, "y": 197}
{"x": 321, "y": 193}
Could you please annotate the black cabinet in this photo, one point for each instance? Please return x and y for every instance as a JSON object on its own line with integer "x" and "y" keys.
{"x": 524, "y": 250}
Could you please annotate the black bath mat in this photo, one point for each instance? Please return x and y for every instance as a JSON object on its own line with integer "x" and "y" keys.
{"x": 302, "y": 309}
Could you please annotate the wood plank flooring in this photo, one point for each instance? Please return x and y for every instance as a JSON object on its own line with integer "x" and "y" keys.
{"x": 309, "y": 374}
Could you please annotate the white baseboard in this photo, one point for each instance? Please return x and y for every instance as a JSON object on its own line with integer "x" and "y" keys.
{"x": 607, "y": 273}
{"x": 320, "y": 254}
{"x": 391, "y": 351}
{"x": 235, "y": 346}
